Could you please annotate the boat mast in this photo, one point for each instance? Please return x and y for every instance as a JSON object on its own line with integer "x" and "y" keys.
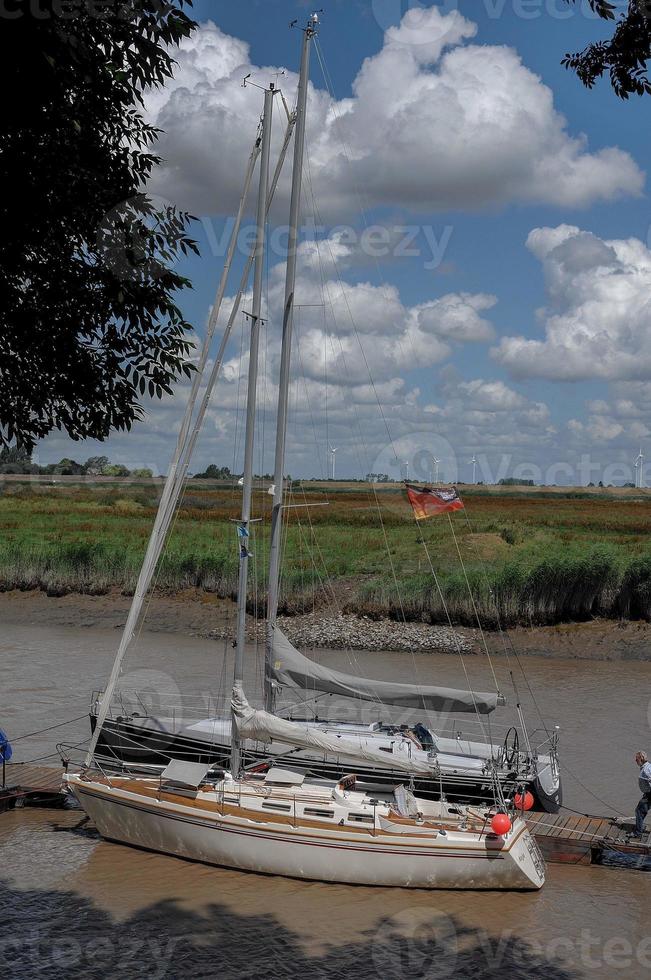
{"x": 247, "y": 480}
{"x": 177, "y": 470}
{"x": 285, "y": 356}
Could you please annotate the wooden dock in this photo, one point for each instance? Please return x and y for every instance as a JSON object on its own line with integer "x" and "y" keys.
{"x": 574, "y": 839}
{"x": 29, "y": 785}
{"x": 563, "y": 838}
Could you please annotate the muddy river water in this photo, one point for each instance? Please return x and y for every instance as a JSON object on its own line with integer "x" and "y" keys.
{"x": 74, "y": 905}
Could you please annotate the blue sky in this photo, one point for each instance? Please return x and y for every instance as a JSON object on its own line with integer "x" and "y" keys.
{"x": 527, "y": 348}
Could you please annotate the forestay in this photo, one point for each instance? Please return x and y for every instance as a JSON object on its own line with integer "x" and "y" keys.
{"x": 290, "y": 668}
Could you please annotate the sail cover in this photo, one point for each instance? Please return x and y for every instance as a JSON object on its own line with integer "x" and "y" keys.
{"x": 261, "y": 726}
{"x": 291, "y": 669}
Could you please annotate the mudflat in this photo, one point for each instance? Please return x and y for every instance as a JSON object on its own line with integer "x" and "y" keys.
{"x": 197, "y": 613}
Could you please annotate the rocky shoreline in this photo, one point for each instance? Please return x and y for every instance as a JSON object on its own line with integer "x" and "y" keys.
{"x": 348, "y": 632}
{"x": 202, "y": 614}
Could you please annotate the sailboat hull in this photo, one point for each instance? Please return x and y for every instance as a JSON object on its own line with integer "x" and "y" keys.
{"x": 316, "y": 854}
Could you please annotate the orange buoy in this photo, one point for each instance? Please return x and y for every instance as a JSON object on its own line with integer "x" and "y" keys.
{"x": 500, "y": 824}
{"x": 523, "y": 802}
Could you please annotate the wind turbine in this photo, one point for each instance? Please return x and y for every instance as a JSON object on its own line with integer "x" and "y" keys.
{"x": 639, "y": 466}
{"x": 333, "y": 450}
{"x": 435, "y": 474}
{"x": 406, "y": 464}
{"x": 474, "y": 468}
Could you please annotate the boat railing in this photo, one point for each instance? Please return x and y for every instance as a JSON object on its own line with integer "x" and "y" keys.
{"x": 175, "y": 707}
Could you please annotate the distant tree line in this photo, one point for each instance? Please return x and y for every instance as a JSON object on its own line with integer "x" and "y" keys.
{"x": 17, "y": 460}
{"x": 214, "y": 472}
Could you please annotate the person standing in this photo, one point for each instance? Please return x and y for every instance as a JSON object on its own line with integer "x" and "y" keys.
{"x": 644, "y": 805}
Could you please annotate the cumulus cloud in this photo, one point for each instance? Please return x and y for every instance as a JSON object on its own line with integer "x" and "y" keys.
{"x": 489, "y": 414}
{"x": 433, "y": 122}
{"x": 599, "y": 313}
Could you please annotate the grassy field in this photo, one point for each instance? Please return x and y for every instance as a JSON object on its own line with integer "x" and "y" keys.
{"x": 533, "y": 556}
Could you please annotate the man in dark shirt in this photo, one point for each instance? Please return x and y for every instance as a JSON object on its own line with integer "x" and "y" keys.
{"x": 644, "y": 805}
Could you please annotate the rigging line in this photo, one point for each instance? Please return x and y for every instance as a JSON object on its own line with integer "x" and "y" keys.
{"x": 472, "y": 600}
{"x": 306, "y": 390}
{"x": 372, "y": 493}
{"x": 358, "y": 427}
{"x": 330, "y": 87}
{"x": 374, "y": 489}
{"x": 359, "y": 194}
{"x": 353, "y": 321}
{"x": 454, "y": 633}
{"x": 316, "y": 213}
{"x": 331, "y": 597}
{"x": 495, "y": 599}
{"x": 41, "y": 731}
{"x": 507, "y": 642}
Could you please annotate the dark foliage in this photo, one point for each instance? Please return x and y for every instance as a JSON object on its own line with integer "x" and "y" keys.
{"x": 88, "y": 320}
{"x": 623, "y": 56}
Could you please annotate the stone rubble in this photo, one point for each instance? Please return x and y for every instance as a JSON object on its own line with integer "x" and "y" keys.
{"x": 349, "y": 632}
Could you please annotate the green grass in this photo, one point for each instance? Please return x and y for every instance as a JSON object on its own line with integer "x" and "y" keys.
{"x": 534, "y": 558}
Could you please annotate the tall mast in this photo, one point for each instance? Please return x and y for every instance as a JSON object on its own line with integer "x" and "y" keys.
{"x": 285, "y": 356}
{"x": 177, "y": 469}
{"x": 243, "y": 528}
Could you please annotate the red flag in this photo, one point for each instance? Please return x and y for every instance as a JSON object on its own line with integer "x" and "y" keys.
{"x": 427, "y": 502}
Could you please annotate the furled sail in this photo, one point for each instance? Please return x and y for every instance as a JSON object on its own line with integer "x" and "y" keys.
{"x": 291, "y": 669}
{"x": 261, "y": 726}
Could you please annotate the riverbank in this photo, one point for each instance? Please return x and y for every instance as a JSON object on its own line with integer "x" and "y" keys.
{"x": 517, "y": 559}
{"x": 194, "y": 613}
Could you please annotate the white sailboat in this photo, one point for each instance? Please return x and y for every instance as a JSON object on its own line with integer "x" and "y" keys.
{"x": 284, "y": 821}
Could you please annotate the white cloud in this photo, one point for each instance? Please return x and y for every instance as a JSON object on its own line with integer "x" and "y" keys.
{"x": 598, "y": 321}
{"x": 431, "y": 124}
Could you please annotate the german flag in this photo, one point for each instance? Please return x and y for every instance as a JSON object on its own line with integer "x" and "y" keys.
{"x": 428, "y": 502}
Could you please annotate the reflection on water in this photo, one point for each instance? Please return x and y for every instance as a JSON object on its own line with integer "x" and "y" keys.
{"x": 73, "y": 905}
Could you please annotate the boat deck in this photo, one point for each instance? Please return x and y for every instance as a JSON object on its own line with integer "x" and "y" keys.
{"x": 563, "y": 838}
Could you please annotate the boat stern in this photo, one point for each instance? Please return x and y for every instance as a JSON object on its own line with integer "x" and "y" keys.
{"x": 527, "y": 857}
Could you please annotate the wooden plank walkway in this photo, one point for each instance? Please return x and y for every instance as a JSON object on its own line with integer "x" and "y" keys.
{"x": 574, "y": 839}
{"x": 30, "y": 785}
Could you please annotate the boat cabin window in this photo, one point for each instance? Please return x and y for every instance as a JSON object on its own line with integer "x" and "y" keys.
{"x": 315, "y": 811}
{"x": 270, "y": 805}
{"x": 360, "y": 817}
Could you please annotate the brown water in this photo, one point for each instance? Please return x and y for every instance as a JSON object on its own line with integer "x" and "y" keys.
{"x": 73, "y": 905}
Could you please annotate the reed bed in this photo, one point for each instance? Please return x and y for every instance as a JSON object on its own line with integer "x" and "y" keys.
{"x": 527, "y": 559}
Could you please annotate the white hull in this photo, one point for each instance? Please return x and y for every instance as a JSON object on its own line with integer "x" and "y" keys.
{"x": 332, "y": 854}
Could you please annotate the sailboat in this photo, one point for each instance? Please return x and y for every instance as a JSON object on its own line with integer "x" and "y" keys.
{"x": 279, "y": 818}
{"x": 459, "y": 764}
{"x": 461, "y": 759}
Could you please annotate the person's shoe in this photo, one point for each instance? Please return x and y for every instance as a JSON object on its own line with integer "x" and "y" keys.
{"x": 634, "y": 835}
